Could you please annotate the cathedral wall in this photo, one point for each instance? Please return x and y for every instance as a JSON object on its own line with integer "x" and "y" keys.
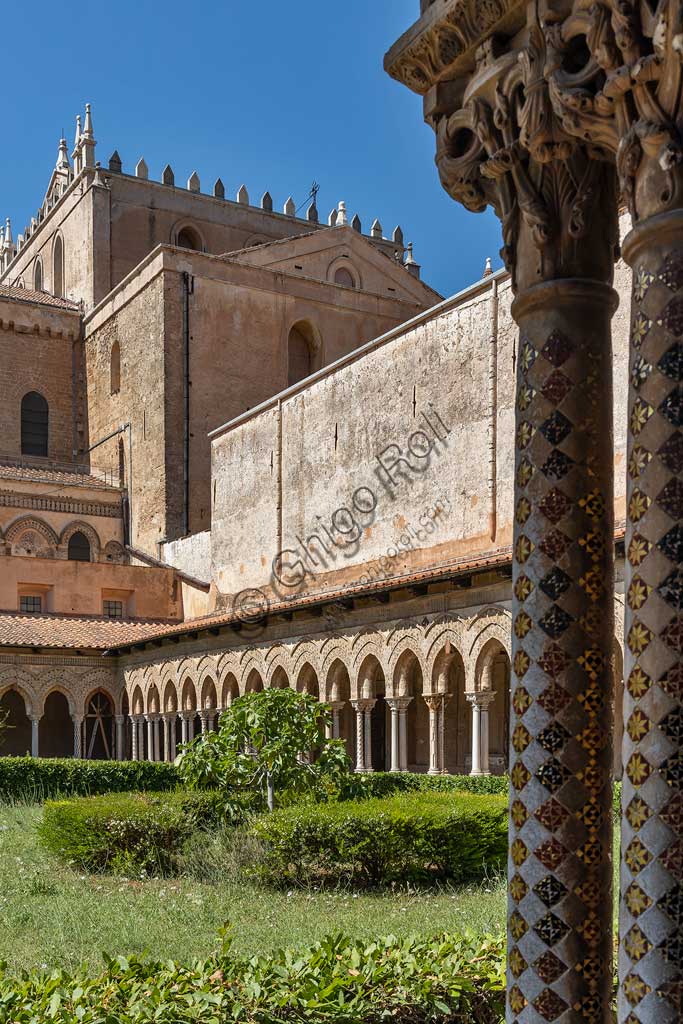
{"x": 136, "y": 324}
{"x": 345, "y": 443}
{"x": 73, "y": 219}
{"x": 36, "y": 353}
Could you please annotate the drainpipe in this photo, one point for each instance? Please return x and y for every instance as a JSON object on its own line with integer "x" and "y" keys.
{"x": 493, "y": 406}
{"x": 128, "y": 521}
{"x": 188, "y": 287}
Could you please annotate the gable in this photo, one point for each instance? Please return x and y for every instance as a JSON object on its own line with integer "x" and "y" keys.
{"x": 340, "y": 256}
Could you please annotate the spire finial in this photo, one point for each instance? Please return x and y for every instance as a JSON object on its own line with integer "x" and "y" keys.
{"x": 342, "y": 217}
{"x": 87, "y": 127}
{"x": 62, "y": 156}
{"x": 488, "y": 269}
{"x": 77, "y": 139}
{"x": 8, "y": 233}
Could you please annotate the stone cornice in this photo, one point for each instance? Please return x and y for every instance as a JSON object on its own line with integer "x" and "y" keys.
{"x": 442, "y": 43}
{"x": 14, "y": 499}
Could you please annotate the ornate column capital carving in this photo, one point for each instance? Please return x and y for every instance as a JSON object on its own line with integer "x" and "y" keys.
{"x": 482, "y": 698}
{"x": 614, "y": 71}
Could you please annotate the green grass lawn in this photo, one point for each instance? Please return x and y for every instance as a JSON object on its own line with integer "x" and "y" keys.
{"x": 50, "y": 915}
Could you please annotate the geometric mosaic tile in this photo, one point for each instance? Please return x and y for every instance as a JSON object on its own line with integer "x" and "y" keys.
{"x": 519, "y": 776}
{"x": 550, "y": 890}
{"x": 638, "y": 550}
{"x": 519, "y": 813}
{"x": 638, "y": 683}
{"x": 557, "y": 348}
{"x": 672, "y": 317}
{"x": 671, "y": 363}
{"x": 639, "y": 638}
{"x": 549, "y": 1004}
{"x": 555, "y": 622}
{"x": 638, "y": 461}
{"x": 638, "y": 593}
{"x": 555, "y": 505}
{"x": 672, "y": 770}
{"x": 671, "y": 453}
{"x": 672, "y": 726}
{"x": 635, "y": 989}
{"x": 672, "y": 949}
{"x": 557, "y": 465}
{"x": 640, "y": 329}
{"x": 556, "y": 428}
{"x": 554, "y": 544}
{"x": 553, "y": 738}
{"x": 671, "y": 272}
{"x": 518, "y": 926}
{"x": 672, "y": 814}
{"x": 672, "y": 407}
{"x": 670, "y": 498}
{"x": 640, "y": 414}
{"x": 636, "y": 856}
{"x": 637, "y": 813}
{"x": 521, "y": 663}
{"x": 638, "y": 725}
{"x": 516, "y": 999}
{"x": 551, "y": 929}
{"x": 553, "y": 662}
{"x": 672, "y": 682}
{"x": 552, "y": 815}
{"x": 672, "y": 634}
{"x": 640, "y": 371}
{"x": 549, "y": 967}
{"x": 673, "y": 992}
{"x": 672, "y": 859}
{"x": 671, "y": 589}
{"x": 638, "y": 769}
{"x": 637, "y": 900}
{"x": 671, "y": 904}
{"x": 521, "y": 701}
{"x": 553, "y": 775}
{"x": 671, "y": 544}
{"x": 554, "y": 698}
{"x": 638, "y": 505}
{"x": 642, "y": 280}
{"x": 518, "y": 888}
{"x": 516, "y": 962}
{"x": 551, "y": 854}
{"x": 636, "y": 944}
{"x": 555, "y": 583}
{"x": 556, "y": 387}
{"x": 527, "y": 355}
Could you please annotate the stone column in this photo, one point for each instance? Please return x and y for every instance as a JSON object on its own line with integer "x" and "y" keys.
{"x": 167, "y": 720}
{"x": 184, "y": 727}
{"x": 499, "y": 142}
{"x": 141, "y": 737}
{"x": 120, "y": 722}
{"x": 172, "y": 738}
{"x": 135, "y": 753}
{"x": 190, "y": 726}
{"x": 204, "y": 720}
{"x": 78, "y": 735}
{"x": 35, "y": 726}
{"x": 395, "y": 734}
{"x": 445, "y": 697}
{"x": 403, "y": 703}
{"x": 651, "y": 917}
{"x": 476, "y": 733}
{"x": 434, "y": 702}
{"x": 336, "y": 706}
{"x": 359, "y": 708}
{"x": 150, "y": 737}
{"x": 368, "y": 705}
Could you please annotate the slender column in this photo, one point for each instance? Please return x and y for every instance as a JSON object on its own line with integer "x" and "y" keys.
{"x": 368, "y": 706}
{"x": 337, "y": 706}
{"x": 141, "y": 737}
{"x": 35, "y": 726}
{"x": 360, "y": 735}
{"x": 190, "y": 727}
{"x": 184, "y": 727}
{"x": 167, "y": 720}
{"x": 403, "y": 732}
{"x": 434, "y": 702}
{"x": 150, "y": 737}
{"x": 204, "y": 720}
{"x": 120, "y": 722}
{"x": 393, "y": 703}
{"x": 78, "y": 735}
{"x": 445, "y": 697}
{"x": 172, "y": 748}
{"x": 476, "y": 733}
{"x": 157, "y": 730}
{"x": 135, "y": 753}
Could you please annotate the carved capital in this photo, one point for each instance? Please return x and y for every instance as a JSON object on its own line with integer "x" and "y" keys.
{"x": 615, "y": 72}
{"x": 501, "y": 143}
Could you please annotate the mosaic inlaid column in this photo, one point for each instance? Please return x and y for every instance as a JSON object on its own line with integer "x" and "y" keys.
{"x": 651, "y": 913}
{"x": 560, "y": 890}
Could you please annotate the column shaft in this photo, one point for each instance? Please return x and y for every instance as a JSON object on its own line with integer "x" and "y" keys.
{"x": 476, "y": 738}
{"x": 120, "y": 723}
{"x": 78, "y": 736}
{"x": 395, "y": 738}
{"x": 135, "y": 752}
{"x": 360, "y": 736}
{"x": 559, "y": 867}
{"x": 35, "y": 733}
{"x": 368, "y": 736}
{"x": 651, "y": 916}
{"x": 403, "y": 737}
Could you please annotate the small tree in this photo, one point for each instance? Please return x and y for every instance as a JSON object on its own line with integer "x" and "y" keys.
{"x": 265, "y": 745}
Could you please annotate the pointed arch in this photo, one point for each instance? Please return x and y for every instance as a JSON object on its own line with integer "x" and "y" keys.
{"x": 115, "y": 368}
{"x": 58, "y": 266}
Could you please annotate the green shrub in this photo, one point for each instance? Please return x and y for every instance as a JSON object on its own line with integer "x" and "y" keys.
{"x": 417, "y": 836}
{"x": 127, "y": 832}
{"x": 377, "y": 784}
{"x": 35, "y": 779}
{"x": 441, "y": 980}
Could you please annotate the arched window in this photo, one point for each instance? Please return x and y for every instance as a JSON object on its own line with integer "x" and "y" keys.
{"x": 58, "y": 267}
{"x": 115, "y": 369}
{"x": 302, "y": 352}
{"x": 189, "y": 239}
{"x": 79, "y": 548}
{"x": 34, "y": 424}
{"x": 344, "y": 277}
{"x": 38, "y": 276}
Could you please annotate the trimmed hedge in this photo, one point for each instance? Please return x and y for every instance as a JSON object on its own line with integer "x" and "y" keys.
{"x": 379, "y": 784}
{"x": 417, "y": 836}
{"x": 37, "y": 779}
{"x": 441, "y": 980}
{"x": 127, "y": 832}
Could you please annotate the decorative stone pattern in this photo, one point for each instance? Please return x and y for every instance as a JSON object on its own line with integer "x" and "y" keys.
{"x": 560, "y": 880}
{"x": 651, "y": 926}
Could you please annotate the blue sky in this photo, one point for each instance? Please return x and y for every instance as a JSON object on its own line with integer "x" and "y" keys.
{"x": 270, "y": 94}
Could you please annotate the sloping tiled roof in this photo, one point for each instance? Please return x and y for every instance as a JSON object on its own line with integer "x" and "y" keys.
{"x": 49, "y": 474}
{"x": 41, "y": 298}
{"x": 69, "y": 631}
